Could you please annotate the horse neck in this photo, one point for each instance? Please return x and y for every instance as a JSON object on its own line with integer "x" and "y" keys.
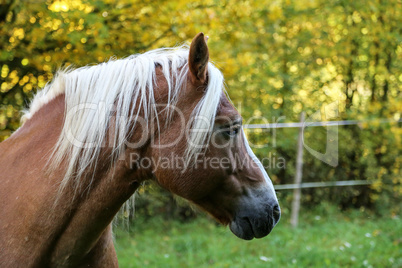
{"x": 73, "y": 224}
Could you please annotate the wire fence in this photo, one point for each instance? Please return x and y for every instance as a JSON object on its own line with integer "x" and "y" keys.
{"x": 298, "y": 184}
{"x": 321, "y": 124}
{"x": 321, "y": 184}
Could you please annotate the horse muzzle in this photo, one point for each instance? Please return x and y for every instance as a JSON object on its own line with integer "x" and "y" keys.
{"x": 255, "y": 223}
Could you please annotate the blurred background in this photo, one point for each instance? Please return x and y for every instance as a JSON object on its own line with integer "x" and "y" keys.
{"x": 279, "y": 58}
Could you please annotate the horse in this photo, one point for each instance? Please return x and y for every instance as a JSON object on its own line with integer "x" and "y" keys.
{"x": 94, "y": 134}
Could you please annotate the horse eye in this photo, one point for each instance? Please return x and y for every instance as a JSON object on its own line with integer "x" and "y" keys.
{"x": 232, "y": 131}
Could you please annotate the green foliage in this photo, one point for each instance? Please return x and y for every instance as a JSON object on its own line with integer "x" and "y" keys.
{"x": 324, "y": 238}
{"x": 279, "y": 58}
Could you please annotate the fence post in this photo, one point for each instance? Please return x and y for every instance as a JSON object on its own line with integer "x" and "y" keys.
{"x": 294, "y": 218}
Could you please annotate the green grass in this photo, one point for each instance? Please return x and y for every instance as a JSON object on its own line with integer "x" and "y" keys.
{"x": 333, "y": 239}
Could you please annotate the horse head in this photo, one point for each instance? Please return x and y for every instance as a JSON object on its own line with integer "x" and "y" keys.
{"x": 210, "y": 161}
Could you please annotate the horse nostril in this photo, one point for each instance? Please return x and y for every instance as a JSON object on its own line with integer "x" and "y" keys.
{"x": 276, "y": 212}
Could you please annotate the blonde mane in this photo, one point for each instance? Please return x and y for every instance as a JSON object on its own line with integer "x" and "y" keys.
{"x": 123, "y": 87}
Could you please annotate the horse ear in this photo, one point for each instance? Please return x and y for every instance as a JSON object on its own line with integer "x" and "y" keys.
{"x": 198, "y": 58}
